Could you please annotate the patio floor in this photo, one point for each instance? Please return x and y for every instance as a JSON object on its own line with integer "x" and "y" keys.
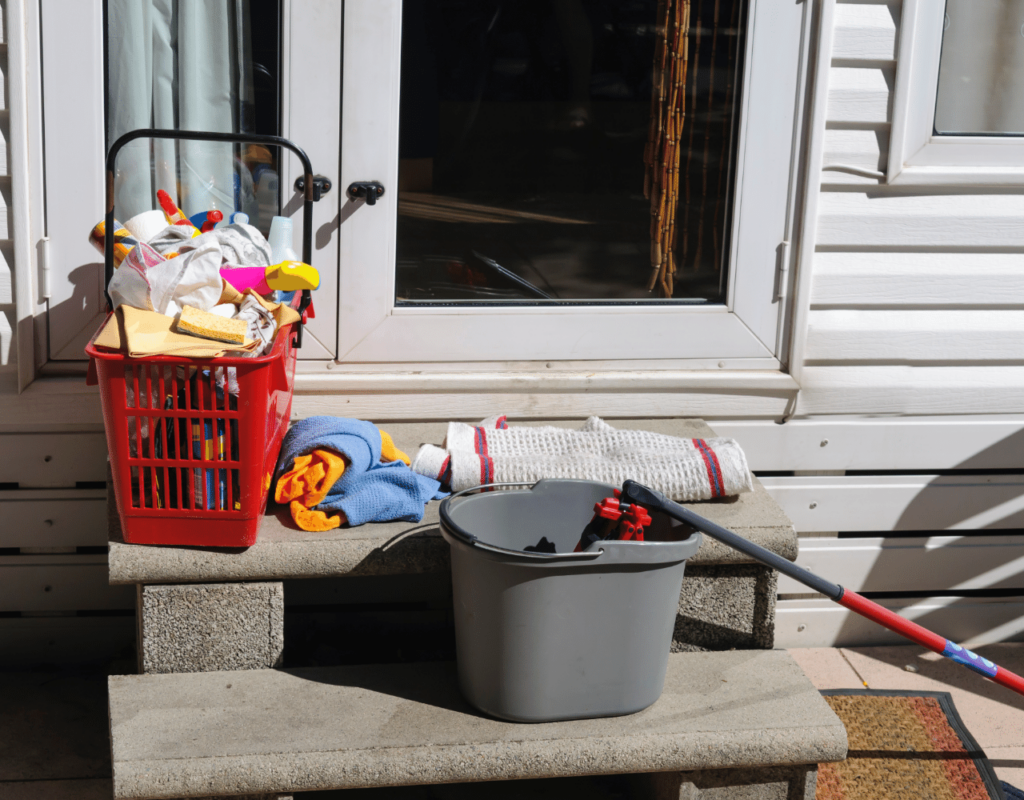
{"x": 54, "y": 741}
{"x": 993, "y": 714}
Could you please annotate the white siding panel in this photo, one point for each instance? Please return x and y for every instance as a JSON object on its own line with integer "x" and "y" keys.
{"x": 865, "y": 31}
{"x": 899, "y": 220}
{"x": 60, "y": 583}
{"x": 913, "y": 565}
{"x": 6, "y": 273}
{"x": 900, "y": 503}
{"x": 63, "y": 640}
{"x": 5, "y": 210}
{"x": 916, "y": 279}
{"x": 866, "y": 149}
{"x": 921, "y": 444}
{"x": 915, "y": 336}
{"x": 6, "y": 335}
{"x": 41, "y": 518}
{"x": 907, "y": 390}
{"x": 860, "y": 94}
{"x": 5, "y": 137}
{"x": 51, "y": 460}
{"x": 974, "y": 622}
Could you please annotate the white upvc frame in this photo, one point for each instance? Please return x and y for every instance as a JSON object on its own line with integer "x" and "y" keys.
{"x": 372, "y": 330}
{"x": 916, "y": 154}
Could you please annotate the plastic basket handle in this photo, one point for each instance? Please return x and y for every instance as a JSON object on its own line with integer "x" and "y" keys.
{"x": 212, "y": 136}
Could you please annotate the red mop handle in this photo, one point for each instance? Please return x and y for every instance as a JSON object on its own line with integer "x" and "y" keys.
{"x": 655, "y": 500}
{"x": 934, "y": 642}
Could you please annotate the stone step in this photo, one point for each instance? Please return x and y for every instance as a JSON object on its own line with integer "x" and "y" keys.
{"x": 397, "y": 548}
{"x": 266, "y": 731}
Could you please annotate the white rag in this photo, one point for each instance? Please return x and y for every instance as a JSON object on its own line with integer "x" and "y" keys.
{"x": 164, "y": 286}
{"x": 240, "y": 244}
{"x": 683, "y": 469}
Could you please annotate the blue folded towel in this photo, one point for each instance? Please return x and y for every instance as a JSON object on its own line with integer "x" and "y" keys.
{"x": 368, "y": 490}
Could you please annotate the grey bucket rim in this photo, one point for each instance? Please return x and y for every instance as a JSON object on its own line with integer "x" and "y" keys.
{"x": 455, "y": 533}
{"x": 461, "y": 534}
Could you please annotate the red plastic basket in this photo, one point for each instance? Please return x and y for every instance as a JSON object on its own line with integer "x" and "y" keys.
{"x": 192, "y": 459}
{"x": 193, "y": 443}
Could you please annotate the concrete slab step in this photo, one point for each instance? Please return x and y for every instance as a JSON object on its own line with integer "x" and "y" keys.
{"x": 397, "y": 548}
{"x": 222, "y": 733}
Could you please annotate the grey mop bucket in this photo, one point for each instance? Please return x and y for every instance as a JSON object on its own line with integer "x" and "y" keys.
{"x": 542, "y": 637}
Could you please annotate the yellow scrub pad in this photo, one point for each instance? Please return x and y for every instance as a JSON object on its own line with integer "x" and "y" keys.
{"x": 210, "y": 326}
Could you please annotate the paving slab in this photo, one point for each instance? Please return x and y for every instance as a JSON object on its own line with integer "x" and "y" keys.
{"x": 1008, "y": 762}
{"x": 992, "y": 713}
{"x": 52, "y": 727}
{"x": 85, "y": 789}
{"x": 396, "y": 548}
{"x": 386, "y": 725}
{"x": 826, "y": 667}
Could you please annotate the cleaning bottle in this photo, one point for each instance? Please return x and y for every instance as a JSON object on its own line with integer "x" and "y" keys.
{"x": 234, "y": 218}
{"x": 280, "y": 241}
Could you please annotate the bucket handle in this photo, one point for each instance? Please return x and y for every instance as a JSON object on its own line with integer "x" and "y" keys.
{"x": 473, "y": 541}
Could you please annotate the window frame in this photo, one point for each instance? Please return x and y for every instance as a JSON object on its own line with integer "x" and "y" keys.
{"x": 917, "y": 156}
{"x": 750, "y": 331}
{"x": 747, "y": 329}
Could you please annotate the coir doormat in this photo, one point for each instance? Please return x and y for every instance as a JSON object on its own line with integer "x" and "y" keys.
{"x": 905, "y": 745}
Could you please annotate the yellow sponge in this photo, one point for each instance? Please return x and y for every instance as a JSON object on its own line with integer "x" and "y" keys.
{"x": 210, "y": 326}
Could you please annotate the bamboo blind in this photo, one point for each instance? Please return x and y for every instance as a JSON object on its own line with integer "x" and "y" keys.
{"x": 678, "y": 232}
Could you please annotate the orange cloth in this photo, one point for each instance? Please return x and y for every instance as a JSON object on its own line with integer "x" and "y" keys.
{"x": 307, "y": 484}
{"x": 313, "y": 520}
{"x": 312, "y": 477}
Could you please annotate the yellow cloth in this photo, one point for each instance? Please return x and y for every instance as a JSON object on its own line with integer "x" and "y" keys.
{"x": 311, "y": 478}
{"x": 388, "y": 451}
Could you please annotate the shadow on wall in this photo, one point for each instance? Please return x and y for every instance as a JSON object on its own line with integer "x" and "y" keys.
{"x": 994, "y": 503}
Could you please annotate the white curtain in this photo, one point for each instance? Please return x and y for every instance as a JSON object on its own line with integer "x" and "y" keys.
{"x": 176, "y": 64}
{"x": 981, "y": 73}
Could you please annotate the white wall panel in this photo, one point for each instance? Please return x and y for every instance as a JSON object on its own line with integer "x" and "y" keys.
{"x": 895, "y": 443}
{"x": 64, "y": 640}
{"x": 915, "y": 336}
{"x": 913, "y": 564}
{"x": 47, "y": 518}
{"x": 900, "y": 502}
{"x": 893, "y": 280}
{"x": 60, "y": 583}
{"x": 860, "y": 94}
{"x": 866, "y": 31}
{"x": 903, "y": 390}
{"x": 974, "y": 622}
{"x": 34, "y": 460}
{"x": 897, "y": 219}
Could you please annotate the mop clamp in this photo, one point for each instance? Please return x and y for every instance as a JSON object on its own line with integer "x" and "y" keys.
{"x": 606, "y": 514}
{"x": 631, "y": 527}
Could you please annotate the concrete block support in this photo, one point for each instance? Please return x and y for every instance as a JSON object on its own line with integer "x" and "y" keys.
{"x": 209, "y": 627}
{"x": 758, "y": 783}
{"x": 726, "y": 606}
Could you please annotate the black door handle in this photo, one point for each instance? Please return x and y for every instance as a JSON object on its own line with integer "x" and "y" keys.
{"x": 371, "y": 190}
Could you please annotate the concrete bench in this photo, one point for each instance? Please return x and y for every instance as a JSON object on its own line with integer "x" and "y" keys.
{"x": 739, "y": 724}
{"x": 186, "y": 595}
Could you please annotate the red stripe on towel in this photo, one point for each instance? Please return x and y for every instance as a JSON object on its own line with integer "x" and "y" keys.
{"x": 705, "y": 451}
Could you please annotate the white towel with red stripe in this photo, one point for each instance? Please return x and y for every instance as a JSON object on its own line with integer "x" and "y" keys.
{"x": 683, "y": 469}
